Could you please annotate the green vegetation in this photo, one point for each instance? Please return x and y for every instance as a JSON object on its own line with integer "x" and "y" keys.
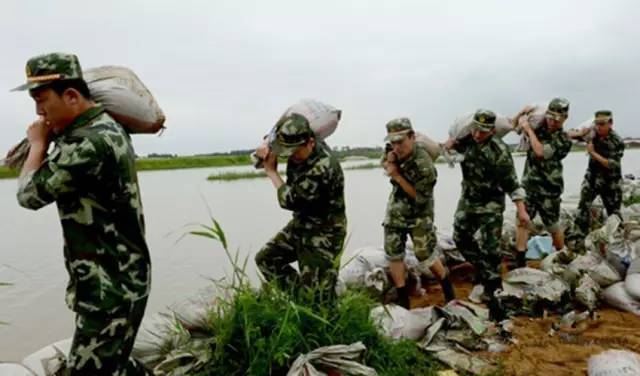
{"x": 144, "y": 164}
{"x": 632, "y": 200}
{"x": 229, "y": 176}
{"x": 7, "y": 173}
{"x": 262, "y": 332}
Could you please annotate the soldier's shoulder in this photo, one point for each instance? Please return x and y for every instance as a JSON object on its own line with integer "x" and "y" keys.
{"x": 616, "y": 137}
{"x": 498, "y": 145}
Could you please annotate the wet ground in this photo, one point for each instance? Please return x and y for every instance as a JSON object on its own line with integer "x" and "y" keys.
{"x": 566, "y": 352}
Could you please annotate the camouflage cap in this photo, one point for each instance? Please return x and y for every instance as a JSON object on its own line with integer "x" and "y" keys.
{"x": 293, "y": 131}
{"x": 43, "y": 69}
{"x": 602, "y": 117}
{"x": 558, "y": 109}
{"x": 484, "y": 120}
{"x": 397, "y": 129}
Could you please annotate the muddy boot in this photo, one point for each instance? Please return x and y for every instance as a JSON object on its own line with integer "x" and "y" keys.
{"x": 403, "y": 297}
{"x": 447, "y": 290}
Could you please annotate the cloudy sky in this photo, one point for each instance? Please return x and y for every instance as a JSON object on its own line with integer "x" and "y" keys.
{"x": 223, "y": 71}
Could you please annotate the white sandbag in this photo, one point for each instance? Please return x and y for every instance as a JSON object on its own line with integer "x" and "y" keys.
{"x": 534, "y": 116}
{"x": 587, "y": 292}
{"x": 397, "y": 322}
{"x": 14, "y": 369}
{"x": 125, "y": 97}
{"x": 632, "y": 285}
{"x": 49, "y": 359}
{"x": 617, "y": 296}
{"x": 323, "y": 119}
{"x": 343, "y": 359}
{"x": 462, "y": 126}
{"x": 614, "y": 363}
{"x": 432, "y": 147}
{"x": 597, "y": 267}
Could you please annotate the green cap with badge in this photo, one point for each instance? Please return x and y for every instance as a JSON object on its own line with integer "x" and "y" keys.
{"x": 484, "y": 120}
{"x": 558, "y": 109}
{"x": 292, "y": 132}
{"x": 398, "y": 129}
{"x": 44, "y": 69}
{"x": 602, "y": 117}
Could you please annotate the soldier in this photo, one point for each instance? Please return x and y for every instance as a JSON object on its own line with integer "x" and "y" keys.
{"x": 314, "y": 191}
{"x": 487, "y": 174}
{"x": 604, "y": 174}
{"x": 90, "y": 175}
{"x": 542, "y": 177}
{"x": 410, "y": 208}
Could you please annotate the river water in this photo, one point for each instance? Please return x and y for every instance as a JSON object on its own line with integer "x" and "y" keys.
{"x": 31, "y": 242}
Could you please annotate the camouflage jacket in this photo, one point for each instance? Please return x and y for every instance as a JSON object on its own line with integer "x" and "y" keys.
{"x": 315, "y": 190}
{"x": 419, "y": 171}
{"x": 91, "y": 176}
{"x": 611, "y": 148}
{"x": 487, "y": 174}
{"x": 543, "y": 176}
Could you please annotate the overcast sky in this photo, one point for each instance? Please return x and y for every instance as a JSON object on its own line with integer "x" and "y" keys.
{"x": 223, "y": 71}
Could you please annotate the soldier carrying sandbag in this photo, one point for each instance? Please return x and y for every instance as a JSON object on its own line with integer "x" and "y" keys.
{"x": 90, "y": 175}
{"x": 410, "y": 208}
{"x": 487, "y": 175}
{"x": 314, "y": 192}
{"x": 542, "y": 178}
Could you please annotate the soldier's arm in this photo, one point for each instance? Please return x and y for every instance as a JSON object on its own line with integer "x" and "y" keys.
{"x": 404, "y": 184}
{"x": 508, "y": 180}
{"x": 616, "y": 155}
{"x": 536, "y": 145}
{"x": 463, "y": 144}
{"x": 63, "y": 172}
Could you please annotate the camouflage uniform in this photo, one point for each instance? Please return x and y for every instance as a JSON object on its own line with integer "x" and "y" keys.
{"x": 91, "y": 176}
{"x": 314, "y": 191}
{"x": 542, "y": 177}
{"x": 406, "y": 215}
{"x": 487, "y": 174}
{"x": 600, "y": 180}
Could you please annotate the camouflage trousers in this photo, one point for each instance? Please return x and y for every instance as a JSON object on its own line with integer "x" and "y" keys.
{"x": 477, "y": 237}
{"x": 609, "y": 192}
{"x": 423, "y": 236}
{"x": 315, "y": 250}
{"x": 102, "y": 344}
{"x": 547, "y": 207}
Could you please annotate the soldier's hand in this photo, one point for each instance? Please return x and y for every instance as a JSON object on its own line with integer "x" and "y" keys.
{"x": 448, "y": 145}
{"x": 391, "y": 157}
{"x": 392, "y": 169}
{"x": 590, "y": 148}
{"x": 526, "y": 126}
{"x": 263, "y": 150}
{"x": 39, "y": 133}
{"x": 271, "y": 162}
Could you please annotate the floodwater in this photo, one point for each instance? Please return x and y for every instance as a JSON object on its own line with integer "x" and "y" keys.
{"x": 31, "y": 242}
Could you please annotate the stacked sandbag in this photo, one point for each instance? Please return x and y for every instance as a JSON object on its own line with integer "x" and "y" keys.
{"x": 531, "y": 291}
{"x": 625, "y": 295}
{"x": 124, "y": 97}
{"x": 397, "y": 322}
{"x": 433, "y": 148}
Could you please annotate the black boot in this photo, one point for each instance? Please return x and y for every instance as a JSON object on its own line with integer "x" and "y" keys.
{"x": 447, "y": 290}
{"x": 403, "y": 297}
{"x": 521, "y": 259}
{"x": 496, "y": 312}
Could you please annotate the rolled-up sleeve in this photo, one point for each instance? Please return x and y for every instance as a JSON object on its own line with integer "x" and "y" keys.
{"x": 64, "y": 171}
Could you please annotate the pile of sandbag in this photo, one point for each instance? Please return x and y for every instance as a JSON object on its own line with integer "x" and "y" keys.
{"x": 336, "y": 359}
{"x": 614, "y": 363}
{"x": 532, "y": 292}
{"x": 449, "y": 333}
{"x": 124, "y": 97}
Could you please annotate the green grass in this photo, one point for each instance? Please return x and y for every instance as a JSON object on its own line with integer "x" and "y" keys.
{"x": 7, "y": 173}
{"x": 145, "y": 164}
{"x": 262, "y": 331}
{"x": 230, "y": 176}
